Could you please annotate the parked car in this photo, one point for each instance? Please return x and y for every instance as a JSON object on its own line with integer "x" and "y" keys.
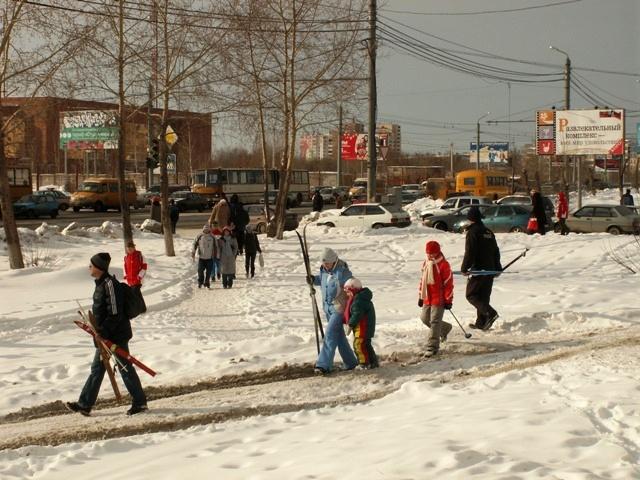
{"x": 501, "y": 218}
{"x": 328, "y": 195}
{"x": 371, "y": 215}
{"x": 446, "y": 221}
{"x": 409, "y": 196}
{"x": 258, "y": 219}
{"x": 452, "y": 203}
{"x": 187, "y": 200}
{"x": 412, "y": 187}
{"x": 63, "y": 198}
{"x": 292, "y": 200}
{"x": 549, "y": 209}
{"x": 342, "y": 192}
{"x": 614, "y": 219}
{"x": 36, "y": 205}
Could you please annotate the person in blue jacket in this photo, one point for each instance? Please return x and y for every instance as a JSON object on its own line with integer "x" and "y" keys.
{"x": 333, "y": 275}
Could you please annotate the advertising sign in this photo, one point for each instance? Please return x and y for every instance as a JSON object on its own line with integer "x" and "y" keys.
{"x": 546, "y": 132}
{"x": 609, "y": 164}
{"x": 495, "y": 153}
{"x": 355, "y": 146}
{"x": 589, "y": 132}
{"x": 89, "y": 130}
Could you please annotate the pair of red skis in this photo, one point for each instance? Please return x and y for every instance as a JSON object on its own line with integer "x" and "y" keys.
{"x": 109, "y": 349}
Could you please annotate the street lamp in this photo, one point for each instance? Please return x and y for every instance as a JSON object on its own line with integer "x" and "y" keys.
{"x": 567, "y": 77}
{"x": 478, "y": 139}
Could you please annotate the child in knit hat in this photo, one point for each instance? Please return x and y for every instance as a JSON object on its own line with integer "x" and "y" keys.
{"x": 435, "y": 295}
{"x": 360, "y": 318}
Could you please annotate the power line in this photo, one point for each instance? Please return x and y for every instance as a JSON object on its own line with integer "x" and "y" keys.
{"x": 486, "y": 12}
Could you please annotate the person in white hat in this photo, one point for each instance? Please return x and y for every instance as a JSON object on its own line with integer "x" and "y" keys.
{"x": 333, "y": 275}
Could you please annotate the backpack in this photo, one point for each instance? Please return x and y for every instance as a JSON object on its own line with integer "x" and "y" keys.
{"x": 132, "y": 302}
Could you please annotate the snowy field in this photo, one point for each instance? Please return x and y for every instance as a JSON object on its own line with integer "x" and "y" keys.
{"x": 550, "y": 392}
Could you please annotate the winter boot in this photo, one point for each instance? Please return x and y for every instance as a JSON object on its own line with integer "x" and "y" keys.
{"x": 431, "y": 351}
{"x": 445, "y": 330}
{"x": 76, "y": 407}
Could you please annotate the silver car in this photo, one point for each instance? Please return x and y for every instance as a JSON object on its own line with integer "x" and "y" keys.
{"x": 614, "y": 219}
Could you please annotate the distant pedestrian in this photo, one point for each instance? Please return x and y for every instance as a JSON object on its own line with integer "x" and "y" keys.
{"x": 174, "y": 214}
{"x": 481, "y": 252}
{"x": 220, "y": 214}
{"x": 627, "y": 198}
{"x": 435, "y": 295}
{"x": 252, "y": 248}
{"x": 360, "y": 318}
{"x": 215, "y": 269}
{"x": 317, "y": 202}
{"x": 206, "y": 248}
{"x": 112, "y": 324}
{"x": 562, "y": 213}
{"x": 228, "y": 252}
{"x": 156, "y": 213}
{"x": 339, "y": 202}
{"x": 239, "y": 218}
{"x": 538, "y": 211}
{"x": 135, "y": 268}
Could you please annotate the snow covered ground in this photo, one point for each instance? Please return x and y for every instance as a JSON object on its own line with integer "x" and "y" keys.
{"x": 550, "y": 392}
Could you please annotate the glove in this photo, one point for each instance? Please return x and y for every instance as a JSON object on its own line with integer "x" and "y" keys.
{"x": 347, "y": 329}
{"x": 448, "y": 306}
{"x": 420, "y": 302}
{"x": 310, "y": 279}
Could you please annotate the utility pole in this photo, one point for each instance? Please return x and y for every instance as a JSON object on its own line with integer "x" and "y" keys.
{"x": 478, "y": 140}
{"x": 371, "y": 180}
{"x": 453, "y": 174}
{"x": 339, "y": 147}
{"x": 149, "y": 133}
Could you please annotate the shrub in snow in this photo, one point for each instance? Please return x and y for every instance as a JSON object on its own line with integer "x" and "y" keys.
{"x": 111, "y": 229}
{"x": 75, "y": 229}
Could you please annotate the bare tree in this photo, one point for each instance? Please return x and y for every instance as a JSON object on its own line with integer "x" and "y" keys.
{"x": 299, "y": 57}
{"x": 35, "y": 43}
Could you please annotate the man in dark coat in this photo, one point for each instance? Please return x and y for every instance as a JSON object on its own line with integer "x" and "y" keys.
{"x": 481, "y": 253}
{"x": 317, "y": 202}
{"x": 627, "y": 198}
{"x": 538, "y": 211}
{"x": 174, "y": 214}
{"x": 251, "y": 249}
{"x": 240, "y": 219}
{"x": 112, "y": 324}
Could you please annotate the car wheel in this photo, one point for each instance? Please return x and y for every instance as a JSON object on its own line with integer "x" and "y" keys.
{"x": 97, "y": 207}
{"x": 613, "y": 230}
{"x": 76, "y": 209}
{"x": 200, "y": 209}
{"x": 64, "y": 207}
{"x": 376, "y": 226}
{"x": 31, "y": 214}
{"x": 261, "y": 228}
{"x": 440, "y": 226}
{"x": 54, "y": 213}
{"x": 329, "y": 224}
{"x": 516, "y": 229}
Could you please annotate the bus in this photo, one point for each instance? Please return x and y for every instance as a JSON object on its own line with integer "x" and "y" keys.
{"x": 483, "y": 183}
{"x": 19, "y": 182}
{"x": 247, "y": 183}
{"x": 438, "y": 187}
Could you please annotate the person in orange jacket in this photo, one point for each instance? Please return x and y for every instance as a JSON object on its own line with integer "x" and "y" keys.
{"x": 562, "y": 213}
{"x": 135, "y": 268}
{"x": 435, "y": 296}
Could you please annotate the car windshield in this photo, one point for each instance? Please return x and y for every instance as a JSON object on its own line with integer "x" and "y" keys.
{"x": 515, "y": 200}
{"x": 89, "y": 187}
{"x": 179, "y": 195}
{"x": 26, "y": 199}
{"x": 360, "y": 184}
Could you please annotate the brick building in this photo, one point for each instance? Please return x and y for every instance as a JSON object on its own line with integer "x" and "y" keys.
{"x": 32, "y": 138}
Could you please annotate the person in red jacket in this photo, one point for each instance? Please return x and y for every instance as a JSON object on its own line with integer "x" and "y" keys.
{"x": 562, "y": 213}
{"x": 435, "y": 296}
{"x": 135, "y": 269}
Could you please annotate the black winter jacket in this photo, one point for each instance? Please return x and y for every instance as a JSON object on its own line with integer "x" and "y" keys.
{"x": 481, "y": 250}
{"x": 251, "y": 243}
{"x": 108, "y": 310}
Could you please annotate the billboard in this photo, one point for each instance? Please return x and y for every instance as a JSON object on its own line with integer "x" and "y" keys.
{"x": 493, "y": 153}
{"x": 589, "y": 132}
{"x": 355, "y": 146}
{"x": 89, "y": 130}
{"x": 546, "y": 132}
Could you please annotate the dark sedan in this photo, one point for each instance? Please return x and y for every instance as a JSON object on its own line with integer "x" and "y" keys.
{"x": 446, "y": 221}
{"x": 186, "y": 201}
{"x": 34, "y": 206}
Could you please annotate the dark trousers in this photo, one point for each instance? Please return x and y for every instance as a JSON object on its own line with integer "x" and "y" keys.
{"x": 479, "y": 295}
{"x": 89, "y": 393}
{"x": 240, "y": 240}
{"x": 204, "y": 265}
{"x": 250, "y": 263}
{"x": 173, "y": 226}
{"x": 564, "y": 230}
{"x": 138, "y": 291}
{"x": 227, "y": 280}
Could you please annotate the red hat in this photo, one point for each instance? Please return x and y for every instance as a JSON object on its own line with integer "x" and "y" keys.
{"x": 433, "y": 248}
{"x": 216, "y": 231}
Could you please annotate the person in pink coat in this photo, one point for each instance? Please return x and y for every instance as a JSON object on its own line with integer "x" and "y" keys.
{"x": 562, "y": 213}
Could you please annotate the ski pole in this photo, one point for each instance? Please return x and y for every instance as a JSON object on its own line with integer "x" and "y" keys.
{"x": 466, "y": 334}
{"x": 523, "y": 254}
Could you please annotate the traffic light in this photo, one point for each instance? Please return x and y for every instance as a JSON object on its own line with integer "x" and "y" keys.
{"x": 153, "y": 155}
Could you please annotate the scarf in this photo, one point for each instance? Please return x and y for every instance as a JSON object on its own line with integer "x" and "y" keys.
{"x": 428, "y": 275}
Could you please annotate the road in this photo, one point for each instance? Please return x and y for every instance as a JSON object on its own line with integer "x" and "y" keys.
{"x": 89, "y": 218}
